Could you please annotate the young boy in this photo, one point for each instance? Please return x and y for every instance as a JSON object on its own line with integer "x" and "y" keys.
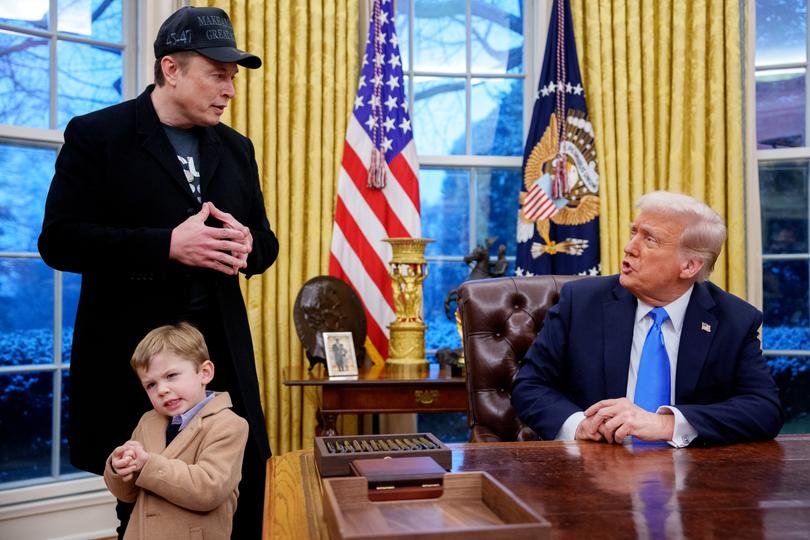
{"x": 184, "y": 461}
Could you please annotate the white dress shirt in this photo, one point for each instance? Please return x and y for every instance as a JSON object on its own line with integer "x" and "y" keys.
{"x": 683, "y": 433}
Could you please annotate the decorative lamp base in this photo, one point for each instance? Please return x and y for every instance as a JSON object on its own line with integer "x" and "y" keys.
{"x": 406, "y": 344}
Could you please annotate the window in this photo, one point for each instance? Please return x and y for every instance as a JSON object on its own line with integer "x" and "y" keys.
{"x": 468, "y": 73}
{"x": 783, "y": 158}
{"x": 58, "y": 59}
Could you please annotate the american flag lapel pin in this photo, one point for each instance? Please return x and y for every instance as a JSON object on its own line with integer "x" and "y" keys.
{"x": 706, "y": 327}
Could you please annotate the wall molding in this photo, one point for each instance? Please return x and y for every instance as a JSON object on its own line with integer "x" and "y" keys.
{"x": 73, "y": 510}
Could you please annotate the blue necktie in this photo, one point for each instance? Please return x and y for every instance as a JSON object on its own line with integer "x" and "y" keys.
{"x": 655, "y": 497}
{"x": 652, "y": 384}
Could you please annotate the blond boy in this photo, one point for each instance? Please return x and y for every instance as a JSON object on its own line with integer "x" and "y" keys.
{"x": 183, "y": 463}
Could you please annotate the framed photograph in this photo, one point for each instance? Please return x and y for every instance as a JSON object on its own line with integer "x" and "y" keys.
{"x": 340, "y": 358}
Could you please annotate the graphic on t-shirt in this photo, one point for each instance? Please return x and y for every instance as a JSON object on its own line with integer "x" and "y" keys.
{"x": 192, "y": 175}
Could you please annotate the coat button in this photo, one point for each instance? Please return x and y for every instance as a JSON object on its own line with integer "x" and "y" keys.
{"x": 191, "y": 212}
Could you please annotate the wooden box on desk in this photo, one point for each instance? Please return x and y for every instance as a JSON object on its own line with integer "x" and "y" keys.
{"x": 472, "y": 505}
{"x": 401, "y": 477}
{"x": 339, "y": 464}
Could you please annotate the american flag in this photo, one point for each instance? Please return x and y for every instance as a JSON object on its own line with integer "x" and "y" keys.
{"x": 376, "y": 198}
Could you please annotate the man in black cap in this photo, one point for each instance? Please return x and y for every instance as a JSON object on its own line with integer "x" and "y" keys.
{"x": 158, "y": 205}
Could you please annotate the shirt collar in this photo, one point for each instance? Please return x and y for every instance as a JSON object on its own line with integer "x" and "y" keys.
{"x": 675, "y": 309}
{"x": 185, "y": 418}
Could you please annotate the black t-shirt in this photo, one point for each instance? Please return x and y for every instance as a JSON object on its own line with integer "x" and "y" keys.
{"x": 186, "y": 143}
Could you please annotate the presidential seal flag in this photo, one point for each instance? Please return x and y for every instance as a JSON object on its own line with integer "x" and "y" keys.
{"x": 558, "y": 219}
{"x": 378, "y": 189}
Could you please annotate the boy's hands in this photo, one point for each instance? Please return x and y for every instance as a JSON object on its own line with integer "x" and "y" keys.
{"x": 128, "y": 459}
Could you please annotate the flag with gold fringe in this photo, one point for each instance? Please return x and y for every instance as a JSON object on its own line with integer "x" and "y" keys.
{"x": 558, "y": 218}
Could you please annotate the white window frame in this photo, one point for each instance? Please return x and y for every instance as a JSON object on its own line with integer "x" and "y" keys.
{"x": 754, "y": 157}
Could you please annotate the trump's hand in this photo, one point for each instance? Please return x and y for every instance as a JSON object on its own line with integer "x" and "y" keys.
{"x": 589, "y": 430}
{"x": 620, "y": 418}
{"x": 193, "y": 243}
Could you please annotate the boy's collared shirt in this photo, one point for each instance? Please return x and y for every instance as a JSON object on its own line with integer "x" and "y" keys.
{"x": 185, "y": 418}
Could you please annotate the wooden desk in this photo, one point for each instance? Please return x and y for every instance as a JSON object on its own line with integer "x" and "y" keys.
{"x": 594, "y": 490}
{"x": 381, "y": 390}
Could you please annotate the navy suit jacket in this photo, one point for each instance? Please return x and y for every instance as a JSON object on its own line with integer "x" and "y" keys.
{"x": 582, "y": 355}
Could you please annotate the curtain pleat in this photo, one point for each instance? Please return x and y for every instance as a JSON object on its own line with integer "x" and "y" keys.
{"x": 295, "y": 110}
{"x": 664, "y": 90}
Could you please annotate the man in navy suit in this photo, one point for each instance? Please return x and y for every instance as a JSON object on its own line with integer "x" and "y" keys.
{"x": 579, "y": 378}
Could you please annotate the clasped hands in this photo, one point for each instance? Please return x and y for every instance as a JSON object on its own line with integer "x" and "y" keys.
{"x": 128, "y": 459}
{"x": 223, "y": 249}
{"x": 611, "y": 420}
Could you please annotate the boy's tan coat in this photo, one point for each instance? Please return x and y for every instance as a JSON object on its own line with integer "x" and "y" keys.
{"x": 188, "y": 489}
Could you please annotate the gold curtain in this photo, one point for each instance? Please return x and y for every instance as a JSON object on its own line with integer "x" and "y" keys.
{"x": 294, "y": 109}
{"x": 664, "y": 89}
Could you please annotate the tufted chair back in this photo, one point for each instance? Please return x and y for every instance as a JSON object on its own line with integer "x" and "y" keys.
{"x": 500, "y": 318}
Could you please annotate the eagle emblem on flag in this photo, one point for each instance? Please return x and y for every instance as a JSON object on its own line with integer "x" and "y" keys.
{"x": 579, "y": 202}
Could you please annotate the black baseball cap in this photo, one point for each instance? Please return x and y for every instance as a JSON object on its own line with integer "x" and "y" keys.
{"x": 205, "y": 30}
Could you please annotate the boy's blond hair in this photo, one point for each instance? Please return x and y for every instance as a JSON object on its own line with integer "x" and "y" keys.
{"x": 181, "y": 339}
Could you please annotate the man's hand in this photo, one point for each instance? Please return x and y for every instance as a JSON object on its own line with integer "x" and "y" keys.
{"x": 620, "y": 418}
{"x": 589, "y": 430}
{"x": 225, "y": 250}
{"x": 229, "y": 222}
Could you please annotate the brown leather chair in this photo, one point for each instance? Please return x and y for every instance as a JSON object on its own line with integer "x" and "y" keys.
{"x": 500, "y": 318}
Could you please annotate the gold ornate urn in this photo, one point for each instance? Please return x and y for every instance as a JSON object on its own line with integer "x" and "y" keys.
{"x": 408, "y": 269}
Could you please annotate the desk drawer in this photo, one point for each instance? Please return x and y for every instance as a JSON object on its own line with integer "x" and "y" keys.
{"x": 394, "y": 399}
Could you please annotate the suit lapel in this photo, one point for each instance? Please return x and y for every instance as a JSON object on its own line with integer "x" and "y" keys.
{"x": 699, "y": 327}
{"x": 618, "y": 314}
{"x": 184, "y": 438}
{"x": 157, "y": 143}
{"x": 154, "y": 433}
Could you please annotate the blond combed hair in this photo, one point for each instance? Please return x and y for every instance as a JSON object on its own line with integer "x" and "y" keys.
{"x": 704, "y": 231}
{"x": 182, "y": 339}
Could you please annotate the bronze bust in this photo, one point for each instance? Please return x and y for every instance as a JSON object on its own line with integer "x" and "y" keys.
{"x": 327, "y": 304}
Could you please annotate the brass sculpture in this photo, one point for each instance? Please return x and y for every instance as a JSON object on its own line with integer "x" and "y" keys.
{"x": 408, "y": 269}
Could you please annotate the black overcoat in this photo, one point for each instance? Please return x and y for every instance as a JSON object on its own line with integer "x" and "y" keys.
{"x": 117, "y": 193}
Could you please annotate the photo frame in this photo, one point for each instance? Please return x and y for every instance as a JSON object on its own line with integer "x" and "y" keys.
{"x": 341, "y": 360}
